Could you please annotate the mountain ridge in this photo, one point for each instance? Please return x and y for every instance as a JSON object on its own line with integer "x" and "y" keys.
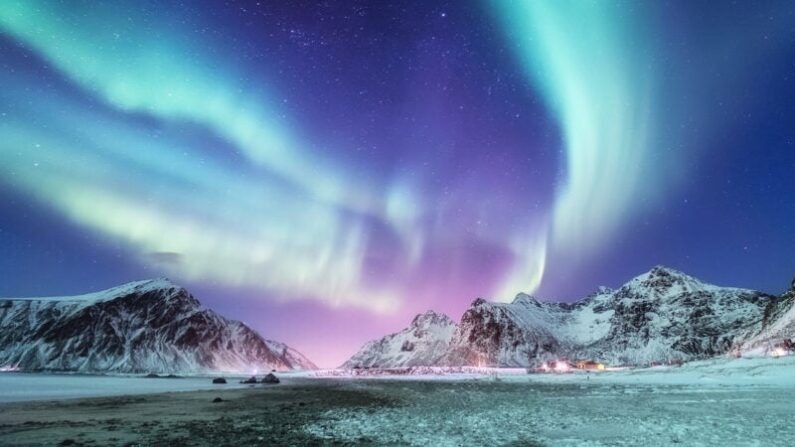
{"x": 142, "y": 326}
{"x": 660, "y": 316}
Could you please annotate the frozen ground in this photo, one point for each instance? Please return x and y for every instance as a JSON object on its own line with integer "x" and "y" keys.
{"x": 505, "y": 413}
{"x": 751, "y": 371}
{"x": 17, "y": 387}
{"x": 742, "y": 402}
{"x": 711, "y": 403}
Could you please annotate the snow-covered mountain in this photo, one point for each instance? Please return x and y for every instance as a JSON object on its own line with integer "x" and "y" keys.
{"x": 658, "y": 317}
{"x": 145, "y": 326}
{"x": 776, "y": 329}
{"x": 665, "y": 316}
{"x": 423, "y": 343}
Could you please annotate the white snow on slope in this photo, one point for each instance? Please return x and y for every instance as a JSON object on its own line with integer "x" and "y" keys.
{"x": 145, "y": 326}
{"x": 423, "y": 342}
{"x": 662, "y": 316}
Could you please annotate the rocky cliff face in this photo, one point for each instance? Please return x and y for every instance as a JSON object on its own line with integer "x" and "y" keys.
{"x": 659, "y": 317}
{"x": 506, "y": 334}
{"x": 776, "y": 329}
{"x": 146, "y": 326}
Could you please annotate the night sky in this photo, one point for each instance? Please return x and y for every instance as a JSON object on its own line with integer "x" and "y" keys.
{"x": 325, "y": 170}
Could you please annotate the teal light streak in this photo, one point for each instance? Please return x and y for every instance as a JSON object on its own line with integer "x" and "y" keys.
{"x": 592, "y": 66}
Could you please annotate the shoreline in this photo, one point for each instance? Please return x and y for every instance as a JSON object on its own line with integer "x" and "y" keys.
{"x": 743, "y": 372}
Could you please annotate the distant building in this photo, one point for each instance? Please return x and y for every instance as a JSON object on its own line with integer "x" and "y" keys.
{"x": 590, "y": 365}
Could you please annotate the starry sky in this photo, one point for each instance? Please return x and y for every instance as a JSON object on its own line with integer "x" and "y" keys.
{"x": 325, "y": 170}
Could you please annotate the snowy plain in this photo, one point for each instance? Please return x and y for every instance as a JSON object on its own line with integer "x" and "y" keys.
{"x": 737, "y": 402}
{"x": 747, "y": 371}
{"x": 20, "y": 386}
{"x": 723, "y": 372}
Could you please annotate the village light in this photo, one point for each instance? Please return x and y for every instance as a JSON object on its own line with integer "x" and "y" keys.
{"x": 590, "y": 365}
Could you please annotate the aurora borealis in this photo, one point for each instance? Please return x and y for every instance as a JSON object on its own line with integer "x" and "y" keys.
{"x": 326, "y": 170}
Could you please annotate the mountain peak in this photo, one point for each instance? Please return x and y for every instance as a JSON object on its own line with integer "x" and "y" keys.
{"x": 524, "y": 298}
{"x": 478, "y": 302}
{"x": 163, "y": 285}
{"x": 664, "y": 281}
{"x": 144, "y": 285}
{"x": 661, "y": 270}
{"x": 422, "y": 343}
{"x": 152, "y": 283}
{"x": 661, "y": 277}
{"x": 133, "y": 287}
{"x": 430, "y": 317}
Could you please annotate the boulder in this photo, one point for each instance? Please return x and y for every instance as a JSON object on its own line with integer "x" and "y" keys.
{"x": 270, "y": 378}
{"x": 252, "y": 379}
{"x": 219, "y": 380}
